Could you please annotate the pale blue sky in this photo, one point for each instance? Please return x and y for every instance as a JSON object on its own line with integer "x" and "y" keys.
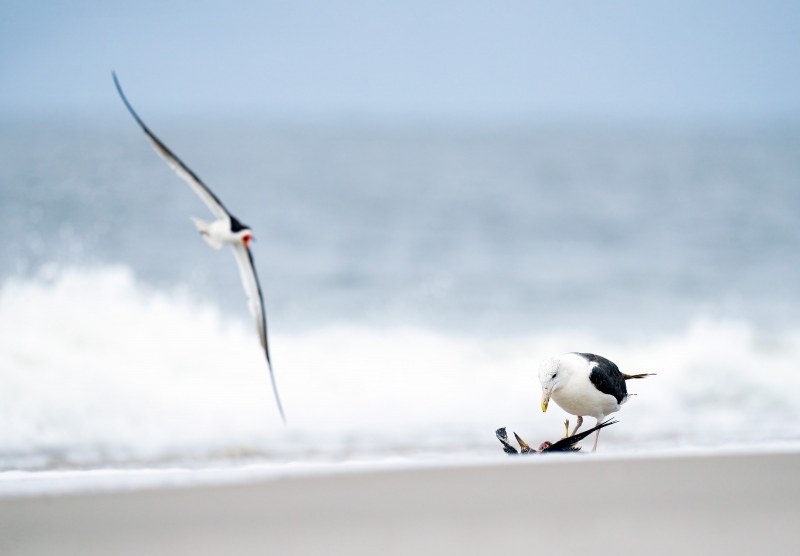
{"x": 500, "y": 61}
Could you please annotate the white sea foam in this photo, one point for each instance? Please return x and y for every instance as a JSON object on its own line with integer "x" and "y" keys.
{"x": 98, "y": 369}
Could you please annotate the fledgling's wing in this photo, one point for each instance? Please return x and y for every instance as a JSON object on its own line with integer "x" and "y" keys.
{"x": 503, "y": 438}
{"x": 197, "y": 185}
{"x": 255, "y": 301}
{"x": 568, "y": 444}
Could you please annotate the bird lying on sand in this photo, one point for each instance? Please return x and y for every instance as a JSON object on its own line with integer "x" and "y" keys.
{"x": 225, "y": 230}
{"x": 567, "y": 444}
{"x": 584, "y": 384}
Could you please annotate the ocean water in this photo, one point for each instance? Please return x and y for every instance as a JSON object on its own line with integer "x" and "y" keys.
{"x": 413, "y": 279}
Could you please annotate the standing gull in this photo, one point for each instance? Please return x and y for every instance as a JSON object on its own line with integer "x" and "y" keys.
{"x": 225, "y": 230}
{"x": 584, "y": 384}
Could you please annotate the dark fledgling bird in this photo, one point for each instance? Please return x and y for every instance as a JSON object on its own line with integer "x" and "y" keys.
{"x": 225, "y": 230}
{"x": 567, "y": 444}
{"x": 584, "y": 384}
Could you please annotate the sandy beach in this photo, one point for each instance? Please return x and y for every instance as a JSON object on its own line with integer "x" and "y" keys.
{"x": 729, "y": 504}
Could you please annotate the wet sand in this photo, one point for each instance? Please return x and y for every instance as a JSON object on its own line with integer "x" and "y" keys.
{"x": 690, "y": 505}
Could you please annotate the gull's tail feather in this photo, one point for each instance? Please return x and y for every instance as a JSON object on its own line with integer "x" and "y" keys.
{"x": 203, "y": 227}
{"x": 642, "y": 375}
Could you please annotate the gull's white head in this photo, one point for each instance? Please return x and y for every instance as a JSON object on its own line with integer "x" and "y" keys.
{"x": 551, "y": 377}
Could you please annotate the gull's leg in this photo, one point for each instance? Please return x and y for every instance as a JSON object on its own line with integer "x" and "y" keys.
{"x": 596, "y": 438}
{"x": 577, "y": 425}
{"x": 566, "y": 428}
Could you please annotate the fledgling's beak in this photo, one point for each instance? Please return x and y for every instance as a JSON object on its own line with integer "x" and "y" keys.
{"x": 545, "y": 399}
{"x": 525, "y": 449}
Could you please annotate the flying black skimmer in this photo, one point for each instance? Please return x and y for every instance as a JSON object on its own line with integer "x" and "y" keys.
{"x": 567, "y": 444}
{"x": 225, "y": 230}
{"x": 584, "y": 384}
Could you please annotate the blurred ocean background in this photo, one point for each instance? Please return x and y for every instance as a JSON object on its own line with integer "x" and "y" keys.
{"x": 442, "y": 195}
{"x": 413, "y": 278}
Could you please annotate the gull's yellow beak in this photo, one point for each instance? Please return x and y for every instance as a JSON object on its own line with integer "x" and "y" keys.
{"x": 545, "y": 399}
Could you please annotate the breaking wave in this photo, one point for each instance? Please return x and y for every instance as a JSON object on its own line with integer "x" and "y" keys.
{"x": 97, "y": 368}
